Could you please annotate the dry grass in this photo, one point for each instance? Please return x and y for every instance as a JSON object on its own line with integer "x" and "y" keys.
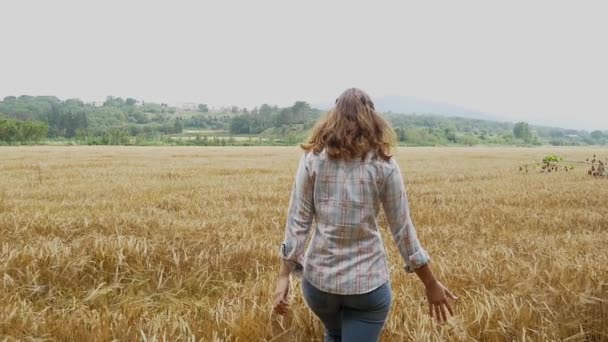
{"x": 169, "y": 243}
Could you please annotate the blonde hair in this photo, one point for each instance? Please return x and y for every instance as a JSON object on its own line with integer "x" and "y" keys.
{"x": 351, "y": 129}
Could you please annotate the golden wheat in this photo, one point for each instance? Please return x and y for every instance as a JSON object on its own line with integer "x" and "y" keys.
{"x": 180, "y": 243}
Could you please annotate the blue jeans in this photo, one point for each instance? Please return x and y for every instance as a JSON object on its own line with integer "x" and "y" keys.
{"x": 350, "y": 318}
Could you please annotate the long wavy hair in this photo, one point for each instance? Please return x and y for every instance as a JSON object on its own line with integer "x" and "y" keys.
{"x": 351, "y": 129}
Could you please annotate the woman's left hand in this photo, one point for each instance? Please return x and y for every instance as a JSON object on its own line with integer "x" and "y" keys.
{"x": 281, "y": 301}
{"x": 437, "y": 295}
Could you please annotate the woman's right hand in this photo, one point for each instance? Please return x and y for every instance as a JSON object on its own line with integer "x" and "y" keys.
{"x": 438, "y": 296}
{"x": 281, "y": 301}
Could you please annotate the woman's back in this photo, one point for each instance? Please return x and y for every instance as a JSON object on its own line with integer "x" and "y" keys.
{"x": 346, "y": 254}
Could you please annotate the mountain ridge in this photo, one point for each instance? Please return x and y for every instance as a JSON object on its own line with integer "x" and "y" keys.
{"x": 400, "y": 104}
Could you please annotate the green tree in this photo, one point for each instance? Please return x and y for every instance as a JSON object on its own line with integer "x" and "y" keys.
{"x": 400, "y": 133}
{"x": 116, "y": 136}
{"x": 112, "y": 101}
{"x": 72, "y": 116}
{"x": 240, "y": 124}
{"x": 300, "y": 112}
{"x": 140, "y": 117}
{"x": 203, "y": 108}
{"x": 12, "y": 131}
{"x": 522, "y": 131}
{"x": 265, "y": 109}
{"x": 412, "y": 136}
{"x": 178, "y": 126}
{"x": 450, "y": 134}
{"x": 468, "y": 139}
{"x": 8, "y": 130}
{"x": 597, "y": 135}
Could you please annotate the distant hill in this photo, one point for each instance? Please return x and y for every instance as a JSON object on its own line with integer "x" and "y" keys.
{"x": 411, "y": 105}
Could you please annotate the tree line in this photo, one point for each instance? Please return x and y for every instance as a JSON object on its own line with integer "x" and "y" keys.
{"x": 430, "y": 130}
{"x": 73, "y": 117}
{"x": 294, "y": 123}
{"x": 261, "y": 119}
{"x": 31, "y": 119}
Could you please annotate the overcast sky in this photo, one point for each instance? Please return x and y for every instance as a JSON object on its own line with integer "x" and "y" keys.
{"x": 541, "y": 61}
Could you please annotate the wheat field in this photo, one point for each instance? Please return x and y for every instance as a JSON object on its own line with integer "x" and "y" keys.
{"x": 181, "y": 244}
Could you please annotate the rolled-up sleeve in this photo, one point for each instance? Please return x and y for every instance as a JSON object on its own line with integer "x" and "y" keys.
{"x": 396, "y": 208}
{"x": 299, "y": 219}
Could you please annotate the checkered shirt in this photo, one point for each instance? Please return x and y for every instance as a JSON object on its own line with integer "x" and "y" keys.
{"x": 346, "y": 254}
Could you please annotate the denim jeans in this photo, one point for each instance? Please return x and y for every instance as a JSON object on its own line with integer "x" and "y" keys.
{"x": 350, "y": 318}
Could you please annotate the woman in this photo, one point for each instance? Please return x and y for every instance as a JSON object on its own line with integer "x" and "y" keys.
{"x": 344, "y": 176}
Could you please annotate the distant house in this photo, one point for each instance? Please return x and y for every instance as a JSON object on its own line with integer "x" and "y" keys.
{"x": 572, "y": 136}
{"x": 189, "y": 106}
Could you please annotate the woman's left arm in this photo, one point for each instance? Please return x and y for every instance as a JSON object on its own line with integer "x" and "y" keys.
{"x": 299, "y": 220}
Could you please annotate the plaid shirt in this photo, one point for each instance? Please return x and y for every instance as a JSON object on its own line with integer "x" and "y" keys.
{"x": 346, "y": 254}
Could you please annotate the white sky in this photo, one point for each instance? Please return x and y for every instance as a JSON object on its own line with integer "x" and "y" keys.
{"x": 541, "y": 61}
